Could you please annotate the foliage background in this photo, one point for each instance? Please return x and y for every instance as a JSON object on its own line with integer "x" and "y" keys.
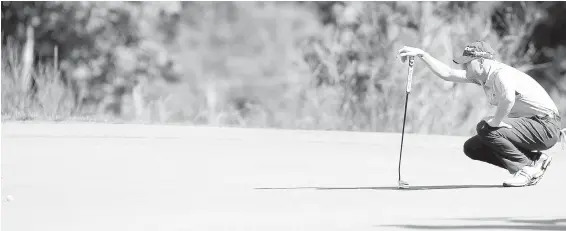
{"x": 293, "y": 65}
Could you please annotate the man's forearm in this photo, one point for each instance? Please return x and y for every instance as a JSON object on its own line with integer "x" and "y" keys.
{"x": 502, "y": 111}
{"x": 439, "y": 68}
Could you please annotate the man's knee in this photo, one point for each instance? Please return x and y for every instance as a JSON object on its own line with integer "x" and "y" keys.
{"x": 471, "y": 148}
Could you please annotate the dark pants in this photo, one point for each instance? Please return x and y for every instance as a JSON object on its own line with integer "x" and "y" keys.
{"x": 513, "y": 148}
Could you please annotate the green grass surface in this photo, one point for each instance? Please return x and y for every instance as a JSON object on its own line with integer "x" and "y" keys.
{"x": 130, "y": 177}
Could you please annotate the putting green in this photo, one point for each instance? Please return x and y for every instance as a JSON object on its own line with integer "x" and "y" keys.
{"x": 132, "y": 177}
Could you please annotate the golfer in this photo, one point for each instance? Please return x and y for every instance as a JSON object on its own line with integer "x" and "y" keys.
{"x": 525, "y": 123}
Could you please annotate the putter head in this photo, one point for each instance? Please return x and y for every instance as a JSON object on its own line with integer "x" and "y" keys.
{"x": 402, "y": 184}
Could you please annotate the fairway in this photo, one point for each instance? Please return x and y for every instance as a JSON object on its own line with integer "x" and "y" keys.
{"x": 70, "y": 177}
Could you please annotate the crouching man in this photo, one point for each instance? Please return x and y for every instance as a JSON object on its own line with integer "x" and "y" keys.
{"x": 525, "y": 123}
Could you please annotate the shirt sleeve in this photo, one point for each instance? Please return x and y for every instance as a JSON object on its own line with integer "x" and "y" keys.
{"x": 472, "y": 80}
{"x": 504, "y": 87}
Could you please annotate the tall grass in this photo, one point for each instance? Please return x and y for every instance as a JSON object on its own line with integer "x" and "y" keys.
{"x": 47, "y": 98}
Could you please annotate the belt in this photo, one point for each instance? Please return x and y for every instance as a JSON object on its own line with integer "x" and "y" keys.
{"x": 561, "y": 133}
{"x": 551, "y": 115}
{"x": 562, "y": 137}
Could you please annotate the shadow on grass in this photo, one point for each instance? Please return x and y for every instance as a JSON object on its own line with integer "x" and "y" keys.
{"x": 436, "y": 187}
{"x": 513, "y": 224}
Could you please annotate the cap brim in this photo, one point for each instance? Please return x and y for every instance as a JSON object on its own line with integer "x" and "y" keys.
{"x": 462, "y": 59}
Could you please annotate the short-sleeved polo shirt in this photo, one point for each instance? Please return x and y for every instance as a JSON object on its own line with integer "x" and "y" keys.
{"x": 530, "y": 97}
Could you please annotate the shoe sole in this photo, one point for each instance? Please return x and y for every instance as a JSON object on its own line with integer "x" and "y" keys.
{"x": 545, "y": 165}
{"x": 514, "y": 185}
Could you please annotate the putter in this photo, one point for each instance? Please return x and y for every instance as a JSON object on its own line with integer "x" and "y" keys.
{"x": 402, "y": 184}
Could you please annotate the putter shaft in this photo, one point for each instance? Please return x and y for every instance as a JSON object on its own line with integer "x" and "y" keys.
{"x": 409, "y": 83}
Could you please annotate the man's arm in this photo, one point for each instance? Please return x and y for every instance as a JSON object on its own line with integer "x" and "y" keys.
{"x": 444, "y": 71}
{"x": 437, "y": 67}
{"x": 503, "y": 109}
{"x": 505, "y": 92}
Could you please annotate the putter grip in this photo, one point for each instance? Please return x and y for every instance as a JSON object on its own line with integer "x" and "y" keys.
{"x": 410, "y": 76}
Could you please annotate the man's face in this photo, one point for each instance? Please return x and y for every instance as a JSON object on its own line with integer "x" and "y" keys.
{"x": 474, "y": 67}
{"x": 473, "y": 70}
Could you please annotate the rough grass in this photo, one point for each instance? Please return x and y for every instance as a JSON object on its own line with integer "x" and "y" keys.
{"x": 49, "y": 98}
